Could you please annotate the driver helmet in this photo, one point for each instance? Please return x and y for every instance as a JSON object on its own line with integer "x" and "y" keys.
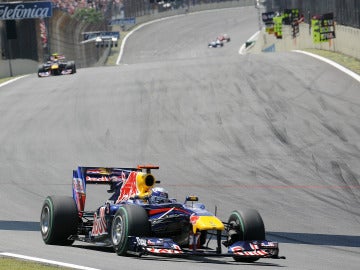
{"x": 159, "y": 195}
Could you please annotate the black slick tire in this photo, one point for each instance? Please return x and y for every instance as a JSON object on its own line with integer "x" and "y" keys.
{"x": 249, "y": 226}
{"x": 129, "y": 220}
{"x": 58, "y": 220}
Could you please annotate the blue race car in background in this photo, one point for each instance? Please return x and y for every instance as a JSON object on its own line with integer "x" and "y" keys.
{"x": 215, "y": 43}
{"x": 139, "y": 218}
{"x": 56, "y": 65}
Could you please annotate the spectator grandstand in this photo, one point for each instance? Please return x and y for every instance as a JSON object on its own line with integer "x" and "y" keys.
{"x": 70, "y": 6}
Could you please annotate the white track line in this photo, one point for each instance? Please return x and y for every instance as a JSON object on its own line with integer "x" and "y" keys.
{"x": 35, "y": 259}
{"x": 137, "y": 28}
{"x": 12, "y": 80}
{"x": 340, "y": 67}
{"x": 242, "y": 50}
{"x": 162, "y": 19}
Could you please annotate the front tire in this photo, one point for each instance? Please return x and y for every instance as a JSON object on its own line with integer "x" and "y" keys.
{"x": 247, "y": 225}
{"x": 58, "y": 220}
{"x": 129, "y": 220}
{"x": 73, "y": 68}
{"x": 41, "y": 69}
{"x": 71, "y": 65}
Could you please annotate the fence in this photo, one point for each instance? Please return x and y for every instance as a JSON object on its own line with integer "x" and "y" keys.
{"x": 346, "y": 12}
{"x": 137, "y": 8}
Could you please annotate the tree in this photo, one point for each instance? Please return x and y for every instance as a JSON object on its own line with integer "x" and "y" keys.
{"x": 89, "y": 15}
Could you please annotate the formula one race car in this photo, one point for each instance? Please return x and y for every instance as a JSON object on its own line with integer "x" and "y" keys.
{"x": 140, "y": 219}
{"x": 224, "y": 38}
{"x": 56, "y": 65}
{"x": 215, "y": 44}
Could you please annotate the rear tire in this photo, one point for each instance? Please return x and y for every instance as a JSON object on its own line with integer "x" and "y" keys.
{"x": 129, "y": 220}
{"x": 58, "y": 220}
{"x": 248, "y": 225}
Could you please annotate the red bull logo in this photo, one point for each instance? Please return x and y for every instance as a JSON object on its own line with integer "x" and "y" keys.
{"x": 128, "y": 188}
{"x": 137, "y": 183}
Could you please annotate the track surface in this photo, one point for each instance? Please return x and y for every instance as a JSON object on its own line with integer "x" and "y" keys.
{"x": 276, "y": 132}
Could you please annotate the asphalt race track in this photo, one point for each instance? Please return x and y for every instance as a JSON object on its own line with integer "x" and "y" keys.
{"x": 275, "y": 132}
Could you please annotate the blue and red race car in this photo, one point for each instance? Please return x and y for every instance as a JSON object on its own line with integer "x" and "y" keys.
{"x": 139, "y": 219}
{"x": 56, "y": 65}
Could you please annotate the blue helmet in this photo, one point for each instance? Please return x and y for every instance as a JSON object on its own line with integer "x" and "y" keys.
{"x": 159, "y": 195}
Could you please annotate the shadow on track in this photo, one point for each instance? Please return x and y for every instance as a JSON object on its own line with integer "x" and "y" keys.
{"x": 31, "y": 226}
{"x": 281, "y": 237}
{"x": 315, "y": 239}
{"x": 178, "y": 258}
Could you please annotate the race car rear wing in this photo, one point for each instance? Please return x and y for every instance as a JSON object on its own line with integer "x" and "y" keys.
{"x": 106, "y": 175}
{"x": 130, "y": 181}
{"x": 103, "y": 175}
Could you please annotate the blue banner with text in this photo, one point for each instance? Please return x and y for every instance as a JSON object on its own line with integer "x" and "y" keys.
{"x": 25, "y": 10}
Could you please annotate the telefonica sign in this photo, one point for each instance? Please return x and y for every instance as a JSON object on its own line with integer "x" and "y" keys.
{"x": 25, "y": 10}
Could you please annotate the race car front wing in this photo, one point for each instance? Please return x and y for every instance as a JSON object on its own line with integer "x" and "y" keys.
{"x": 167, "y": 247}
{"x": 48, "y": 72}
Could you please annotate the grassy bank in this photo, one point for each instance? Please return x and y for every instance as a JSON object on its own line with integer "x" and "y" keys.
{"x": 16, "y": 264}
{"x": 349, "y": 62}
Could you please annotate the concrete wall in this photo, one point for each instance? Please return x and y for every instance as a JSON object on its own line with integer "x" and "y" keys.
{"x": 65, "y": 36}
{"x": 18, "y": 67}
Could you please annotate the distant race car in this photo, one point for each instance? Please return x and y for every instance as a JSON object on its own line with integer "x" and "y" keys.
{"x": 215, "y": 44}
{"x": 224, "y": 38}
{"x": 56, "y": 65}
{"x": 139, "y": 219}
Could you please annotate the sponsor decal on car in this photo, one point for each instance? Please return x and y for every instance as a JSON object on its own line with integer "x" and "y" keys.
{"x": 163, "y": 251}
{"x": 78, "y": 185}
{"x": 94, "y": 179}
{"x": 99, "y": 227}
{"x": 128, "y": 189}
{"x": 97, "y": 171}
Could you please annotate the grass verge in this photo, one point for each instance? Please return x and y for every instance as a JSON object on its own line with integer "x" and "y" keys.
{"x": 17, "y": 264}
{"x": 2, "y": 80}
{"x": 349, "y": 62}
{"x": 114, "y": 53}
